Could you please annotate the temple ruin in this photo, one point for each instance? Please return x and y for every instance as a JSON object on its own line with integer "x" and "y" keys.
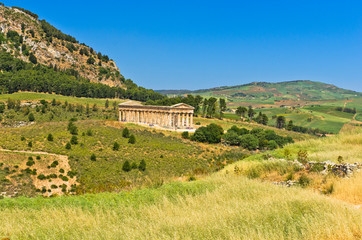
{"x": 179, "y": 116}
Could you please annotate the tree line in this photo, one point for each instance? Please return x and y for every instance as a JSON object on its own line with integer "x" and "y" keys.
{"x": 18, "y": 75}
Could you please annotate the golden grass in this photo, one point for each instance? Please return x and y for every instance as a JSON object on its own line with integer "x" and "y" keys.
{"x": 237, "y": 209}
{"x": 349, "y": 189}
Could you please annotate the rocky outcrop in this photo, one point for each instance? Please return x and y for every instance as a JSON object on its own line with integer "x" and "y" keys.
{"x": 52, "y": 51}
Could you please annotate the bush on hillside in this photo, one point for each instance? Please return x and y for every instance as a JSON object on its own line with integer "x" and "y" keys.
{"x": 126, "y": 166}
{"x": 185, "y": 135}
{"x": 31, "y": 117}
{"x": 125, "y": 133}
{"x": 211, "y": 134}
{"x": 142, "y": 166}
{"x": 93, "y": 157}
{"x": 50, "y": 137}
{"x": 74, "y": 140}
{"x": 132, "y": 139}
{"x": 115, "y": 146}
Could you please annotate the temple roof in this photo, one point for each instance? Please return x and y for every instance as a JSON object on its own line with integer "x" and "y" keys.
{"x": 137, "y": 104}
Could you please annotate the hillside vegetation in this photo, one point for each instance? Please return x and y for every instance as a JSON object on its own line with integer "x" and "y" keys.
{"x": 219, "y": 207}
{"x": 35, "y": 56}
{"x": 262, "y": 93}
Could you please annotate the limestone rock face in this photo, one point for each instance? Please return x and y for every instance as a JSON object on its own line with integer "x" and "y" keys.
{"x": 53, "y": 51}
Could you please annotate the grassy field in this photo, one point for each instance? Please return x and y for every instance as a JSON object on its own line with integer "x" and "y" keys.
{"x": 219, "y": 207}
{"x": 31, "y": 96}
{"x": 166, "y": 156}
{"x": 347, "y": 144}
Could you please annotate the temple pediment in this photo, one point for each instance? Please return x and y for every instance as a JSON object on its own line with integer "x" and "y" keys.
{"x": 182, "y": 105}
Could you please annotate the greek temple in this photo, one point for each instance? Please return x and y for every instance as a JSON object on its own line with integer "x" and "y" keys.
{"x": 178, "y": 116}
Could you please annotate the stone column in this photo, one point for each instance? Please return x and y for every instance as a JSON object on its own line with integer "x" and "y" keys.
{"x": 187, "y": 119}
{"x": 191, "y": 119}
{"x": 183, "y": 120}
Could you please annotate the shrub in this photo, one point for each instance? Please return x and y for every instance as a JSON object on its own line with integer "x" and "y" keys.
{"x": 53, "y": 186}
{"x": 30, "y": 162}
{"x": 74, "y": 140}
{"x": 89, "y": 132}
{"x": 211, "y": 133}
{"x": 232, "y": 138}
{"x": 30, "y": 144}
{"x": 272, "y": 145}
{"x": 134, "y": 165}
{"x": 302, "y": 156}
{"x": 54, "y": 164}
{"x": 68, "y": 146}
{"x": 340, "y": 159}
{"x": 115, "y": 146}
{"x": 31, "y": 117}
{"x": 132, "y": 139}
{"x": 41, "y": 177}
{"x": 64, "y": 178}
{"x": 93, "y": 157}
{"x": 304, "y": 180}
{"x": 126, "y": 166}
{"x": 329, "y": 189}
{"x": 50, "y": 137}
{"x": 37, "y": 157}
{"x": 185, "y": 135}
{"x": 61, "y": 170}
{"x": 22, "y": 138}
{"x": 33, "y": 59}
{"x": 142, "y": 166}
{"x": 191, "y": 178}
{"x": 249, "y": 142}
{"x": 72, "y": 128}
{"x": 125, "y": 133}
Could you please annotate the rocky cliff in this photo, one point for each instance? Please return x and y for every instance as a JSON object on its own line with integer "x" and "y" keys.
{"x": 26, "y": 37}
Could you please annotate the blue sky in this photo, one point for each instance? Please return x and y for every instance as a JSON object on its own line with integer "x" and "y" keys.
{"x": 202, "y": 44}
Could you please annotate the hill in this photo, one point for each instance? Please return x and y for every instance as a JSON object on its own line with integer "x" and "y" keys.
{"x": 26, "y": 35}
{"x": 281, "y": 93}
{"x": 35, "y": 56}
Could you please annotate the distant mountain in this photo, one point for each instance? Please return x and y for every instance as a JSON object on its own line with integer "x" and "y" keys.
{"x": 291, "y": 90}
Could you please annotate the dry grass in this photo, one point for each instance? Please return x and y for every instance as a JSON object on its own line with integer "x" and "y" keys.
{"x": 349, "y": 189}
{"x": 237, "y": 209}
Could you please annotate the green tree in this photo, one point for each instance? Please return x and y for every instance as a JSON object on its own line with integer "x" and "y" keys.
{"x": 125, "y": 133}
{"x": 240, "y": 111}
{"x": 93, "y": 157}
{"x": 50, "y": 137}
{"x": 185, "y": 135}
{"x": 290, "y": 125}
{"x": 126, "y": 166}
{"x": 211, "y": 133}
{"x": 68, "y": 146}
{"x": 31, "y": 117}
{"x": 280, "y": 122}
{"x": 251, "y": 113}
{"x": 2, "y": 107}
{"x": 115, "y": 146}
{"x": 249, "y": 142}
{"x": 272, "y": 145}
{"x": 33, "y": 59}
{"x": 132, "y": 139}
{"x": 91, "y": 60}
{"x": 74, "y": 140}
{"x": 142, "y": 166}
{"x": 222, "y": 106}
